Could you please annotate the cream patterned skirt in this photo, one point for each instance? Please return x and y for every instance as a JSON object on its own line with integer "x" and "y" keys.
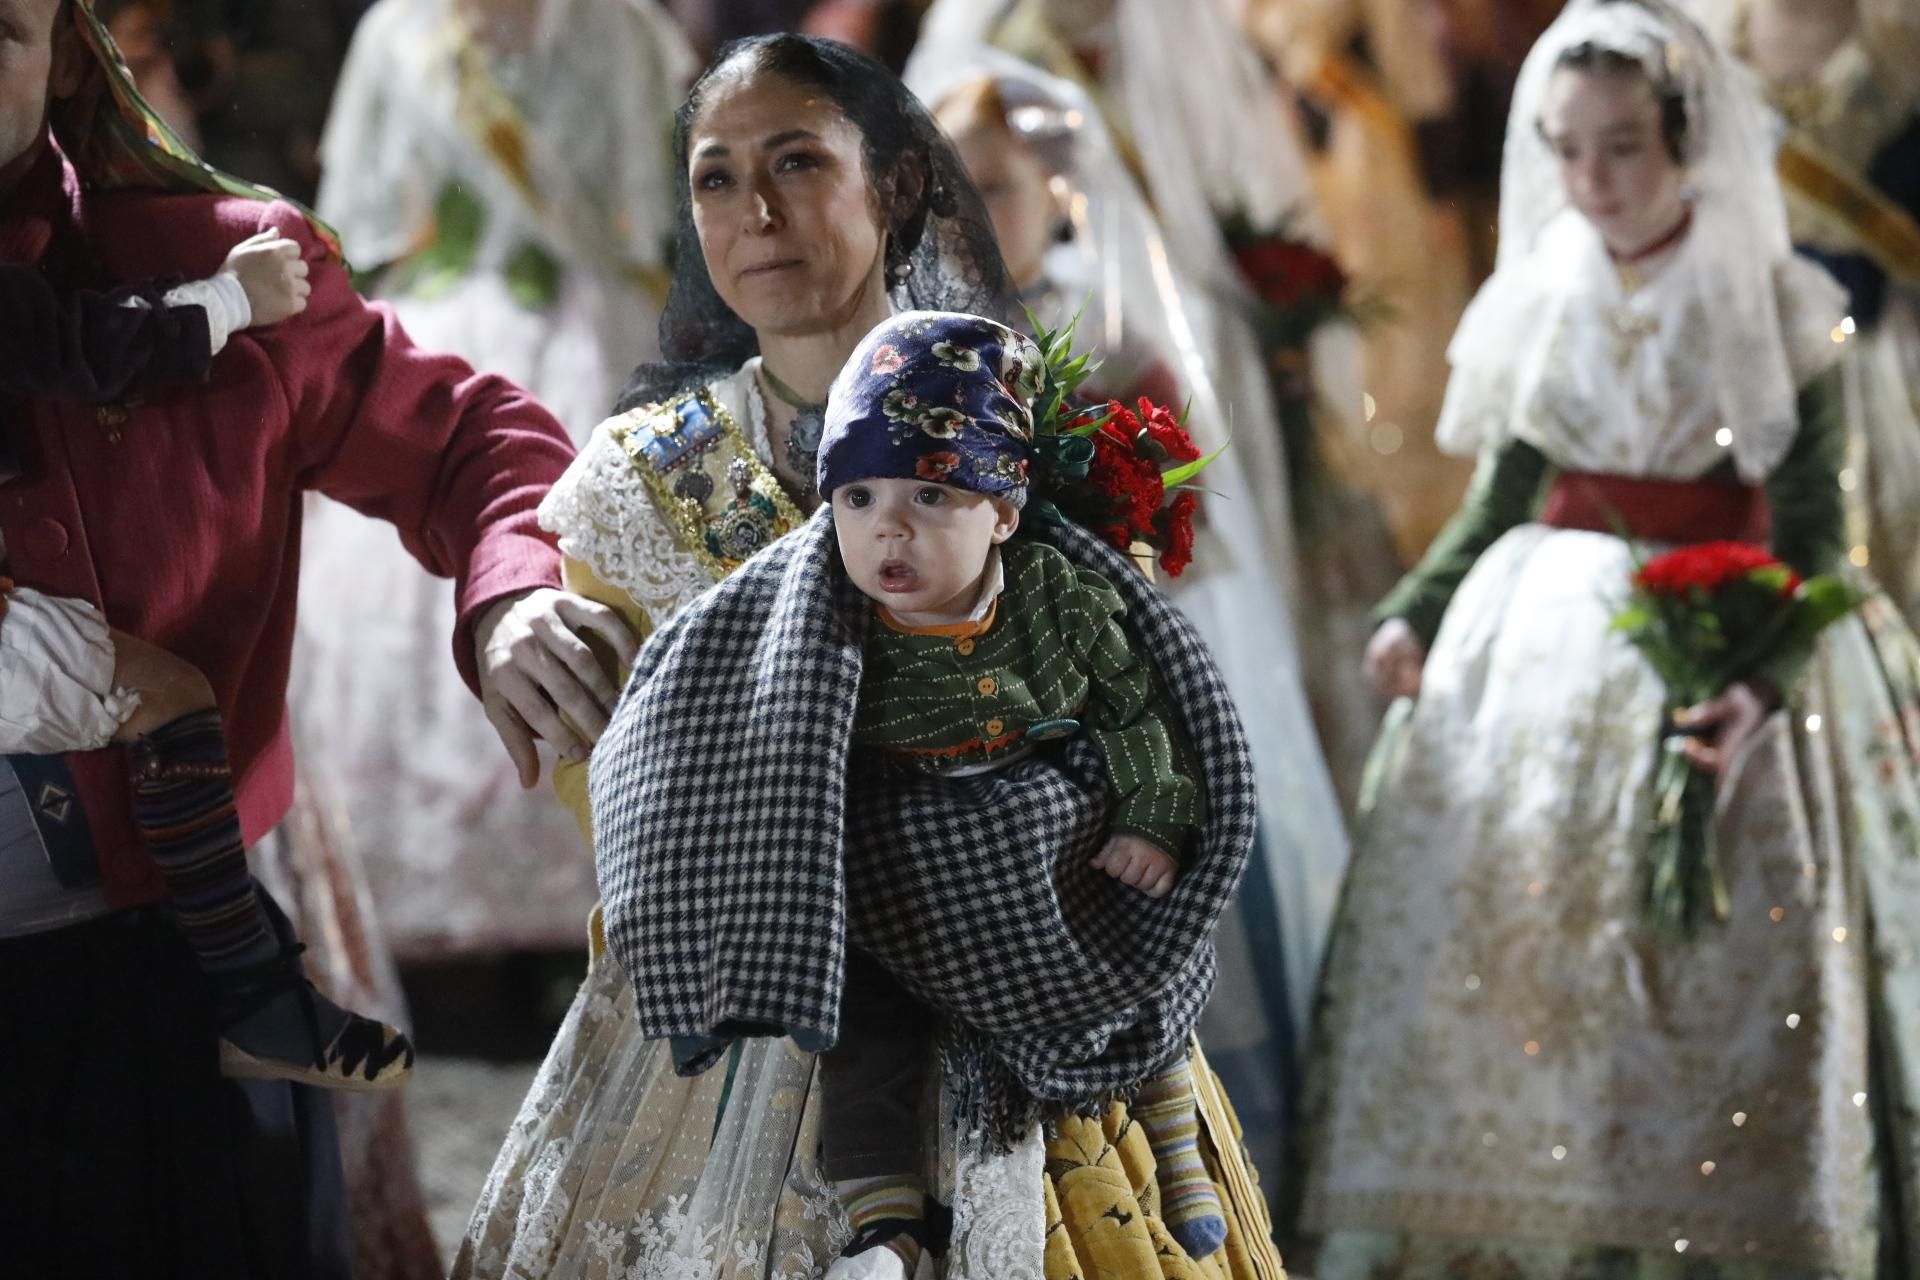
{"x": 1513, "y": 1077}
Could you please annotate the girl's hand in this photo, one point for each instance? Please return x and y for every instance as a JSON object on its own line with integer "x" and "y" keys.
{"x": 1395, "y": 658}
{"x": 1139, "y": 863}
{"x": 169, "y": 687}
{"x": 273, "y": 274}
{"x": 1724, "y": 725}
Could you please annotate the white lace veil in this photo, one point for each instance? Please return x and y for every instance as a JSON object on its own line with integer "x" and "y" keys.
{"x": 1738, "y": 243}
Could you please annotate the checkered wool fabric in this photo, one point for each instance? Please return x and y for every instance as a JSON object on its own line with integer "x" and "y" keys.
{"x": 741, "y": 848}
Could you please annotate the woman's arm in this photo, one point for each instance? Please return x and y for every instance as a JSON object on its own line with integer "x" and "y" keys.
{"x": 1504, "y": 493}
{"x": 1809, "y": 520}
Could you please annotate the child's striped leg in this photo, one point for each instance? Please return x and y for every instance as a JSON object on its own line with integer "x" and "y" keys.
{"x": 1189, "y": 1203}
{"x": 275, "y": 1024}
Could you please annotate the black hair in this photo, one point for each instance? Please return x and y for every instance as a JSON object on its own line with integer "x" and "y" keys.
{"x": 1589, "y": 56}
{"x": 941, "y": 254}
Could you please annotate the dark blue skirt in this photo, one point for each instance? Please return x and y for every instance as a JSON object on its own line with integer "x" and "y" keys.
{"x": 123, "y": 1151}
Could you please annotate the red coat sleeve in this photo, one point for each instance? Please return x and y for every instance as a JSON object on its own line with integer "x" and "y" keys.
{"x": 457, "y": 461}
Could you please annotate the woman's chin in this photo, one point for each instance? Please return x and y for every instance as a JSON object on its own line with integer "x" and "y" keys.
{"x": 785, "y": 307}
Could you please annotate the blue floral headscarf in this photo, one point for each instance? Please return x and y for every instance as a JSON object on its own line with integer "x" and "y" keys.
{"x": 935, "y": 395}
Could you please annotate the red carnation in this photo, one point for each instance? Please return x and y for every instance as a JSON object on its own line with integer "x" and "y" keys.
{"x": 1285, "y": 272}
{"x": 1708, "y": 567}
{"x": 1179, "y": 535}
{"x": 1121, "y": 474}
{"x": 1165, "y": 430}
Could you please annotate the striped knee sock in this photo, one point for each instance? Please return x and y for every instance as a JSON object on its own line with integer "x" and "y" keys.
{"x": 1189, "y": 1204}
{"x": 184, "y": 808}
{"x": 872, "y": 1202}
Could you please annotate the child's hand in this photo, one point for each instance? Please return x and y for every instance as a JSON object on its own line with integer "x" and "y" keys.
{"x": 1137, "y": 862}
{"x": 169, "y": 687}
{"x": 270, "y": 269}
{"x": 1395, "y": 658}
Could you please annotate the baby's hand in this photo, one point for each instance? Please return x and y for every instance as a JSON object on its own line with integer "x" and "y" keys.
{"x": 1137, "y": 862}
{"x": 270, "y": 269}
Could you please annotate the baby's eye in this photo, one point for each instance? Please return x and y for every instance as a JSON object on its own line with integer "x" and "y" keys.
{"x": 859, "y": 498}
{"x": 929, "y": 496}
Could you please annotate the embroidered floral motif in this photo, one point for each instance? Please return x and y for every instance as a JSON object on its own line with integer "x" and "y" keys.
{"x": 886, "y": 359}
{"x": 966, "y": 359}
{"x": 936, "y": 466}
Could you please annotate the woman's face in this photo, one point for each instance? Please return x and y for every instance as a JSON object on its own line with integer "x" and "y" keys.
{"x": 786, "y": 215}
{"x": 1018, "y": 193}
{"x": 1604, "y": 127}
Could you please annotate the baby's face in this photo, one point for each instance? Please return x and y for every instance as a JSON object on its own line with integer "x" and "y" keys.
{"x": 917, "y": 547}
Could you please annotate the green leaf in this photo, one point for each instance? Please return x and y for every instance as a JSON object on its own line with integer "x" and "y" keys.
{"x": 1824, "y": 600}
{"x": 1633, "y": 618}
{"x": 1188, "y": 470}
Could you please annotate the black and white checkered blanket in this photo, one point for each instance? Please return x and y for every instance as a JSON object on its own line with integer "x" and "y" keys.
{"x": 742, "y": 846}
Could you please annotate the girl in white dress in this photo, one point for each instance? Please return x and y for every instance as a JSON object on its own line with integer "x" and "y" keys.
{"x": 1517, "y": 1075}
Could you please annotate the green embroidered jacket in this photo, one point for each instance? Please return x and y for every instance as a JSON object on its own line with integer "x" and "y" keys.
{"x": 1050, "y": 659}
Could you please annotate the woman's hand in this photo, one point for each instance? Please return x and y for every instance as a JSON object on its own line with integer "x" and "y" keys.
{"x": 1395, "y": 659}
{"x": 1139, "y": 863}
{"x": 169, "y": 687}
{"x": 1724, "y": 724}
{"x": 537, "y": 673}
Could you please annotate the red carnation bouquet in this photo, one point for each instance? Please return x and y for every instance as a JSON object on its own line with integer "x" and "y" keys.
{"x": 1125, "y": 473}
{"x": 1707, "y": 617}
{"x": 1296, "y": 286}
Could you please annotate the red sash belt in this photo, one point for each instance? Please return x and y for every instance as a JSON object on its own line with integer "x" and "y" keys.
{"x": 1675, "y": 511}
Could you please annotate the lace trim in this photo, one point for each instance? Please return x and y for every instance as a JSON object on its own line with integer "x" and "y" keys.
{"x": 999, "y": 1207}
{"x": 605, "y": 516}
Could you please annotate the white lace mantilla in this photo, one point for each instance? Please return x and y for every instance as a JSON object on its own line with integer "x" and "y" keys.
{"x": 605, "y": 517}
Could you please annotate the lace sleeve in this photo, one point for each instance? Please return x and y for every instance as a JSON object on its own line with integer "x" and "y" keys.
{"x": 605, "y": 518}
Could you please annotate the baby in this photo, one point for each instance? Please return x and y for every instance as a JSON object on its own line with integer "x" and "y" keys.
{"x": 984, "y": 647}
{"x": 69, "y": 683}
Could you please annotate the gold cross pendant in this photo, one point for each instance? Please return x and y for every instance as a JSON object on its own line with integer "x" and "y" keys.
{"x": 1630, "y": 329}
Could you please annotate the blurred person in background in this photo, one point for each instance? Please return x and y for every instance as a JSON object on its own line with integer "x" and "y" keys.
{"x": 497, "y": 171}
{"x": 1843, "y": 76}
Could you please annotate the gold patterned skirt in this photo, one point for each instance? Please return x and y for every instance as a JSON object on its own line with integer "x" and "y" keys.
{"x": 618, "y": 1169}
{"x": 1513, "y": 1076}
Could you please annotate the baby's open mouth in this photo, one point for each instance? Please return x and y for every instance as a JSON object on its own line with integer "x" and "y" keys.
{"x": 897, "y": 575}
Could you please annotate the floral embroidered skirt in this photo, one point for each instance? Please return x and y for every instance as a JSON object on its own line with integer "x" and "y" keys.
{"x": 617, "y": 1169}
{"x": 1513, "y": 1076}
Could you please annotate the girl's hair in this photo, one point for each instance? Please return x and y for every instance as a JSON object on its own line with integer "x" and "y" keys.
{"x": 1589, "y": 56}
{"x": 941, "y": 254}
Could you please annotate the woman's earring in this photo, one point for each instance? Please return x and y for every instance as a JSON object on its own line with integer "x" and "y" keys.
{"x": 899, "y": 273}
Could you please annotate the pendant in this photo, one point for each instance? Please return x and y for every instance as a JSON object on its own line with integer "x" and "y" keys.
{"x": 803, "y": 446}
{"x": 1630, "y": 329}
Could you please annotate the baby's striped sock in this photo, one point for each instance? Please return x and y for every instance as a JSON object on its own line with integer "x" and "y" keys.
{"x": 1189, "y": 1204}
{"x": 877, "y": 1205}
